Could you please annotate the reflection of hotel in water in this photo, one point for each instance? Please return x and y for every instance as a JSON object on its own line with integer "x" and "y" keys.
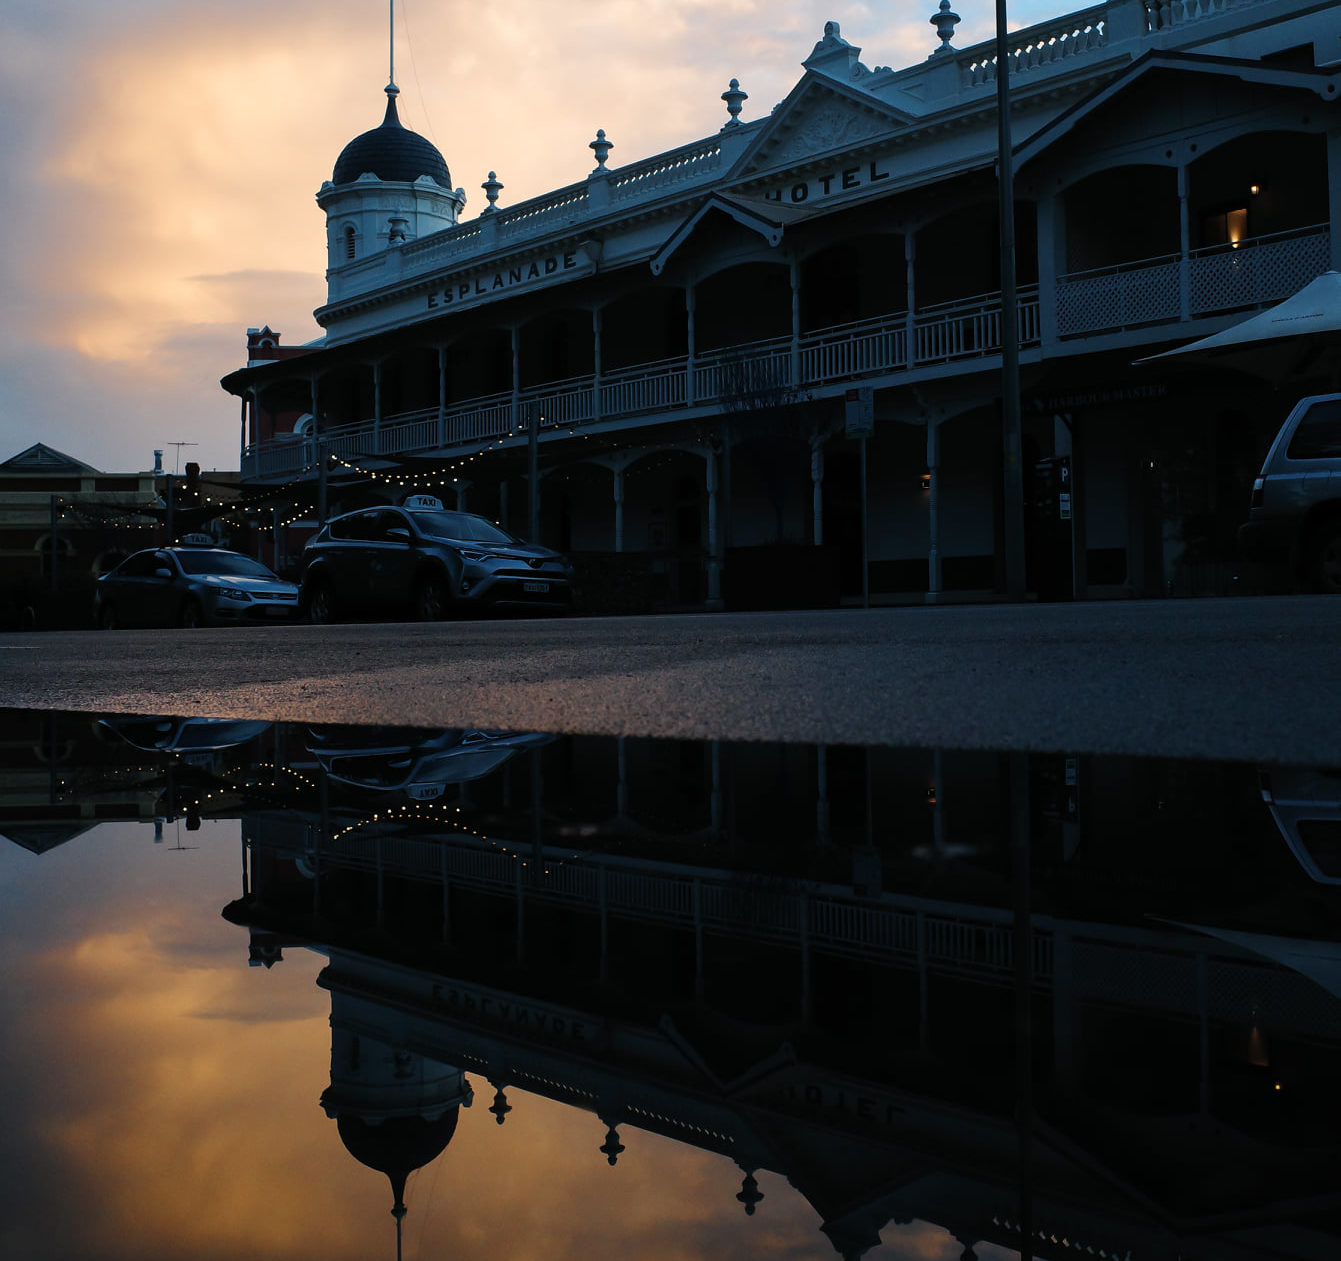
{"x": 808, "y": 960}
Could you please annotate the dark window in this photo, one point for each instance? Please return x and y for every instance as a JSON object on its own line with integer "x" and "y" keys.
{"x": 358, "y": 527}
{"x": 1322, "y": 839}
{"x": 349, "y": 242}
{"x": 1318, "y": 434}
{"x": 142, "y": 565}
{"x": 227, "y": 563}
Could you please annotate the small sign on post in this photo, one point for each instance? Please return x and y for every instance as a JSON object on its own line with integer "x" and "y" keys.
{"x": 859, "y": 412}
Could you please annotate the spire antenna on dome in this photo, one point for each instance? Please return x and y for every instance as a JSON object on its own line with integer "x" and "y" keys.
{"x": 391, "y": 45}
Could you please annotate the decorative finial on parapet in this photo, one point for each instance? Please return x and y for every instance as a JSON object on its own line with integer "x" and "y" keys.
{"x": 601, "y": 148}
{"x": 945, "y": 22}
{"x": 491, "y": 188}
{"x": 734, "y": 99}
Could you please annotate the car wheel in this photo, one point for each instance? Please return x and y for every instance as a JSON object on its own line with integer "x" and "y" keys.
{"x": 192, "y": 614}
{"x": 1325, "y": 568}
{"x": 432, "y": 600}
{"x": 321, "y": 607}
{"x": 107, "y": 619}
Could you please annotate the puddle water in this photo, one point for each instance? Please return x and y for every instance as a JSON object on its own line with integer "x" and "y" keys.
{"x": 281, "y": 991}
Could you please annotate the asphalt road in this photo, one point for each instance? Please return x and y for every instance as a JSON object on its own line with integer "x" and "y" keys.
{"x": 1256, "y": 679}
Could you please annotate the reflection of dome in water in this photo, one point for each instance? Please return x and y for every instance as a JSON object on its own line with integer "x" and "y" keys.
{"x": 397, "y": 1146}
{"x": 391, "y": 152}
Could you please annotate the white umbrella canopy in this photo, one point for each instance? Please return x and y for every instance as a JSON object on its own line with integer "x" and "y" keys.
{"x": 1295, "y": 340}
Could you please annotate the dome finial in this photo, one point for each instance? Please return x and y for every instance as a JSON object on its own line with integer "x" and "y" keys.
{"x": 391, "y": 48}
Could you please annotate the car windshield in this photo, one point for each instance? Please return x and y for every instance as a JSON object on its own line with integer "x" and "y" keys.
{"x": 231, "y": 564}
{"x": 463, "y": 527}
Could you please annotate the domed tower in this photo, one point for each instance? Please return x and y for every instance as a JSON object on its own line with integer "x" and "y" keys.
{"x": 389, "y": 185}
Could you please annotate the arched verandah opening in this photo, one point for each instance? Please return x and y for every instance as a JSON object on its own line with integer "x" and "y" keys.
{"x": 857, "y": 279}
{"x": 642, "y": 327}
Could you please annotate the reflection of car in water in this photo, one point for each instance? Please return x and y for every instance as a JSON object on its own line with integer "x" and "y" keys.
{"x": 1306, "y": 806}
{"x": 419, "y": 764}
{"x": 184, "y": 735}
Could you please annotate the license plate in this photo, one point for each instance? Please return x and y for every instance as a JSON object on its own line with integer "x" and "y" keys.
{"x": 277, "y": 610}
{"x": 535, "y": 586}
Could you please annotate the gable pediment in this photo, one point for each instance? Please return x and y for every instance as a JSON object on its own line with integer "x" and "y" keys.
{"x": 819, "y": 118}
{"x": 40, "y": 458}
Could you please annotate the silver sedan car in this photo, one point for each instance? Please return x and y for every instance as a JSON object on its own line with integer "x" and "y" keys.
{"x": 192, "y": 584}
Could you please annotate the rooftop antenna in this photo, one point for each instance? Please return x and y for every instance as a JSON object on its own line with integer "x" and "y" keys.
{"x": 391, "y": 43}
{"x": 177, "y": 466}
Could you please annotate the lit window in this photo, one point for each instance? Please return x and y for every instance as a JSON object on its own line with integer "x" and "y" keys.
{"x": 1236, "y": 225}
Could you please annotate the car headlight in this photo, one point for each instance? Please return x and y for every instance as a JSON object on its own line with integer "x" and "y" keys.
{"x": 476, "y": 556}
{"x": 234, "y": 593}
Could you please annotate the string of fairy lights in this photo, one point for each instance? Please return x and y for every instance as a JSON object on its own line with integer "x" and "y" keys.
{"x": 254, "y": 787}
{"x": 293, "y": 501}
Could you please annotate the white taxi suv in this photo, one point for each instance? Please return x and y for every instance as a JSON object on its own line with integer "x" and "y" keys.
{"x": 425, "y": 560}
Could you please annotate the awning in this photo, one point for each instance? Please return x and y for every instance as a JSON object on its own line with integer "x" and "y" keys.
{"x": 1297, "y": 338}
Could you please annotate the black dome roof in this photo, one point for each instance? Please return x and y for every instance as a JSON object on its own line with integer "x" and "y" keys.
{"x": 391, "y": 152}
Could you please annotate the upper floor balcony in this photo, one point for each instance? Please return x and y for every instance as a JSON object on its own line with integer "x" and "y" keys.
{"x": 1146, "y": 301}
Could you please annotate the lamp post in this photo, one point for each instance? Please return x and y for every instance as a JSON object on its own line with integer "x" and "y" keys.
{"x": 1013, "y": 487}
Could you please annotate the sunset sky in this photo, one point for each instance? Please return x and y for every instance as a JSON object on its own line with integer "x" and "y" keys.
{"x": 161, "y": 159}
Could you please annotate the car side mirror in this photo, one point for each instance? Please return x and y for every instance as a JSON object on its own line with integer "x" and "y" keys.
{"x": 398, "y": 534}
{"x": 162, "y": 573}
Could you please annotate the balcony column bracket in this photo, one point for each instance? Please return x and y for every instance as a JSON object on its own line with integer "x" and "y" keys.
{"x": 618, "y": 488}
{"x": 1184, "y": 248}
{"x": 714, "y": 600}
{"x": 689, "y": 338}
{"x": 442, "y": 395}
{"x": 596, "y": 323}
{"x": 1334, "y": 198}
{"x": 934, "y": 593}
{"x": 1051, "y": 253}
{"x": 910, "y": 284}
{"x": 794, "y": 276}
{"x": 817, "y": 485}
{"x": 377, "y": 407}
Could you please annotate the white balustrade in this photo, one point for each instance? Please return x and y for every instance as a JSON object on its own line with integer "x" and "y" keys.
{"x": 1161, "y": 15}
{"x": 1039, "y": 46}
{"x": 866, "y": 348}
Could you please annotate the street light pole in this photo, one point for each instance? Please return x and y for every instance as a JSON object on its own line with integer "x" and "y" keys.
{"x": 1011, "y": 441}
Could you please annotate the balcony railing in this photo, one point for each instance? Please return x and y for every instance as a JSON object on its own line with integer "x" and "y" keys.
{"x": 760, "y": 374}
{"x": 1219, "y": 278}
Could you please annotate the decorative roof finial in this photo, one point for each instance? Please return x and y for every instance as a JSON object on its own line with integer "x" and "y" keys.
{"x": 945, "y": 23}
{"x": 491, "y": 188}
{"x": 734, "y": 99}
{"x": 601, "y": 148}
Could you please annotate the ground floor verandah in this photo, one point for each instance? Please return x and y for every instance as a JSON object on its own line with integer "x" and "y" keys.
{"x": 1134, "y": 485}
